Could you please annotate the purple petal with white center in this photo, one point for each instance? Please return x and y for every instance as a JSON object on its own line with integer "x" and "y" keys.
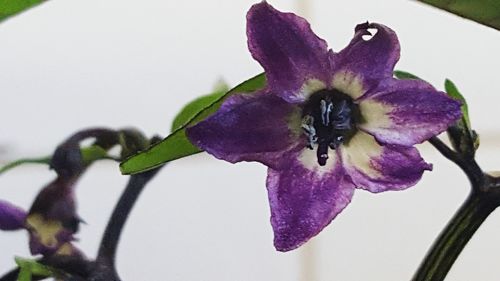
{"x": 287, "y": 48}
{"x": 378, "y": 168}
{"x": 250, "y": 127}
{"x": 369, "y": 58}
{"x": 406, "y": 112}
{"x": 306, "y": 197}
{"x": 11, "y": 217}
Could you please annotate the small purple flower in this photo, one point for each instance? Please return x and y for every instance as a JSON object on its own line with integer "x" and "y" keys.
{"x": 48, "y": 234}
{"x": 51, "y": 221}
{"x": 326, "y": 123}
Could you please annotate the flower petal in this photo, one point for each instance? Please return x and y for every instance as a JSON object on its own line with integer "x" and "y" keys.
{"x": 406, "y": 112}
{"x": 287, "y": 48}
{"x": 372, "y": 57}
{"x": 52, "y": 219}
{"x": 378, "y": 168}
{"x": 306, "y": 197}
{"x": 249, "y": 127}
{"x": 11, "y": 217}
{"x": 56, "y": 201}
{"x": 47, "y": 236}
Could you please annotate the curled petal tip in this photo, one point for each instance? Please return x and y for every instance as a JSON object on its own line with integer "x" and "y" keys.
{"x": 362, "y": 26}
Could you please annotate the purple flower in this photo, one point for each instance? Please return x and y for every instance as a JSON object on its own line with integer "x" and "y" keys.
{"x": 326, "y": 123}
{"x": 51, "y": 222}
{"x": 52, "y": 219}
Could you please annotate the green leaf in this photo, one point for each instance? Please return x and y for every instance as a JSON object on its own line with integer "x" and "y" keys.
{"x": 453, "y": 92}
{"x": 10, "y": 8}
{"x": 405, "y": 75}
{"x": 177, "y": 145}
{"x": 462, "y": 137}
{"x": 191, "y": 109}
{"x": 485, "y": 12}
{"x": 29, "y": 267}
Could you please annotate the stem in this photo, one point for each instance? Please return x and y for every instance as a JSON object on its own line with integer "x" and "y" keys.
{"x": 469, "y": 166}
{"x": 111, "y": 237}
{"x": 452, "y": 240}
{"x": 481, "y": 202}
{"x": 11, "y": 275}
{"x": 102, "y": 135}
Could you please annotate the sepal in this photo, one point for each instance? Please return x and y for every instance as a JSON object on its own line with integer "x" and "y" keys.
{"x": 463, "y": 139}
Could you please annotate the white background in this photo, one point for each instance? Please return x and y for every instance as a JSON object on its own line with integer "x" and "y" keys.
{"x": 72, "y": 64}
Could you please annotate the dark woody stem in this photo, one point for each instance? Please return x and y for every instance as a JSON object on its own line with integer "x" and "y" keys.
{"x": 114, "y": 229}
{"x": 104, "y": 136}
{"x": 11, "y": 275}
{"x": 104, "y": 265}
{"x": 454, "y": 237}
{"x": 481, "y": 202}
{"x": 469, "y": 166}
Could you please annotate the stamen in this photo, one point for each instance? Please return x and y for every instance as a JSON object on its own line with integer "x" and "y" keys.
{"x": 329, "y": 110}
{"x": 326, "y": 110}
{"x": 340, "y": 108}
{"x": 329, "y": 119}
{"x": 308, "y": 126}
{"x": 342, "y": 116}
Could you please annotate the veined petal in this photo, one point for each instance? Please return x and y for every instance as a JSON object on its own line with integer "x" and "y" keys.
{"x": 406, "y": 112}
{"x": 11, "y": 217}
{"x": 250, "y": 127}
{"x": 366, "y": 60}
{"x": 378, "y": 168}
{"x": 306, "y": 197}
{"x": 287, "y": 48}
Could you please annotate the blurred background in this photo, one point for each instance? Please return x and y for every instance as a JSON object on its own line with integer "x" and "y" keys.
{"x": 71, "y": 64}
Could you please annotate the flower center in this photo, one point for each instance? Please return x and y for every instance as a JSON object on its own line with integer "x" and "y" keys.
{"x": 329, "y": 118}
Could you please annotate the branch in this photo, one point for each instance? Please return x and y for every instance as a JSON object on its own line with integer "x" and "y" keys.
{"x": 482, "y": 201}
{"x": 114, "y": 229}
{"x": 469, "y": 166}
{"x": 454, "y": 237}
